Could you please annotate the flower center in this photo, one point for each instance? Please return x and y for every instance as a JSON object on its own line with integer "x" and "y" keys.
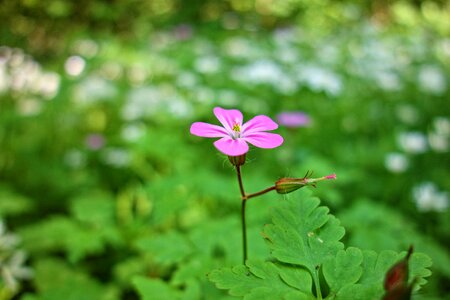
{"x": 236, "y": 131}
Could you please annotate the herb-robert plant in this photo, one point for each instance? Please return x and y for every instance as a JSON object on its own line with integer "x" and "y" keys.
{"x": 233, "y": 138}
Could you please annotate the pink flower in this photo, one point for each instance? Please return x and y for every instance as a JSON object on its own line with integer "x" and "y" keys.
{"x": 95, "y": 141}
{"x": 234, "y": 135}
{"x": 293, "y": 119}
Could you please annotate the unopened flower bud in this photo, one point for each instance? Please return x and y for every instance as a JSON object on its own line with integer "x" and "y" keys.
{"x": 288, "y": 185}
{"x": 237, "y": 160}
{"x": 397, "y": 276}
{"x": 401, "y": 292}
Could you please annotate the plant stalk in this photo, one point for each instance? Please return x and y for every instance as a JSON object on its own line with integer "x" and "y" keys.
{"x": 244, "y": 201}
{"x": 317, "y": 284}
{"x": 272, "y": 188}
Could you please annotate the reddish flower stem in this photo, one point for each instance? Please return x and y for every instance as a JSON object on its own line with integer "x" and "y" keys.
{"x": 244, "y": 201}
{"x": 272, "y": 188}
{"x": 244, "y": 198}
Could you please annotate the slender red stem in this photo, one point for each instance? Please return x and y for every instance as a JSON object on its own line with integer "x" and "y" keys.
{"x": 272, "y": 188}
{"x": 244, "y": 198}
{"x": 244, "y": 201}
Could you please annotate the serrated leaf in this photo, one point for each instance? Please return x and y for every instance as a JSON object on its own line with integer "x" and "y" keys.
{"x": 263, "y": 280}
{"x": 303, "y": 233}
{"x": 344, "y": 269}
{"x": 375, "y": 266}
{"x": 389, "y": 229}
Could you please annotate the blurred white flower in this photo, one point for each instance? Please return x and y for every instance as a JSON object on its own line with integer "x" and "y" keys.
{"x": 152, "y": 100}
{"x": 286, "y": 85}
{"x": 49, "y": 84}
{"x": 444, "y": 47}
{"x": 13, "y": 270}
{"x": 432, "y": 80}
{"x": 16, "y": 58}
{"x": 396, "y": 162}
{"x": 12, "y": 260}
{"x": 29, "y": 107}
{"x": 74, "y": 65}
{"x": 319, "y": 79}
{"x": 428, "y": 198}
{"x": 227, "y": 98}
{"x": 187, "y": 79}
{"x": 93, "y": 89}
{"x": 111, "y": 70}
{"x": 328, "y": 54}
{"x": 137, "y": 74}
{"x": 5, "y": 54}
{"x": 438, "y": 142}
{"x": 178, "y": 107}
{"x": 413, "y": 142}
{"x": 285, "y": 36}
{"x": 207, "y": 64}
{"x": 288, "y": 54}
{"x": 442, "y": 125}
{"x": 132, "y": 132}
{"x": 238, "y": 47}
{"x": 116, "y": 157}
{"x": 387, "y": 80}
{"x": 25, "y": 77}
{"x": 8, "y": 241}
{"x": 141, "y": 102}
{"x": 87, "y": 48}
{"x": 21, "y": 74}
{"x": 204, "y": 95}
{"x": 4, "y": 79}
{"x": 439, "y": 137}
{"x": 261, "y": 71}
{"x": 75, "y": 159}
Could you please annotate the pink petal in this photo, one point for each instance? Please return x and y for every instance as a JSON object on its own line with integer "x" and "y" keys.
{"x": 207, "y": 130}
{"x": 231, "y": 147}
{"x": 293, "y": 119}
{"x": 228, "y": 117}
{"x": 258, "y": 123}
{"x": 264, "y": 139}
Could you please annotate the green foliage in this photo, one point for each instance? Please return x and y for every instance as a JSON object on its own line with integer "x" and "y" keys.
{"x": 12, "y": 203}
{"x": 56, "y": 280}
{"x": 264, "y": 280}
{"x": 389, "y": 230}
{"x": 166, "y": 249}
{"x": 306, "y": 237}
{"x": 343, "y": 270}
{"x": 147, "y": 200}
{"x": 303, "y": 233}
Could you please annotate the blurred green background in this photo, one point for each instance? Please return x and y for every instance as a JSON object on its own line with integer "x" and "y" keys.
{"x": 101, "y": 182}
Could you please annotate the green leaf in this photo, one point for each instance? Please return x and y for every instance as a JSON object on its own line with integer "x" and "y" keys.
{"x": 166, "y": 249}
{"x": 61, "y": 233}
{"x": 374, "y": 268}
{"x": 344, "y": 269}
{"x": 96, "y": 209}
{"x": 12, "y": 203}
{"x": 55, "y": 280}
{"x": 264, "y": 280}
{"x": 391, "y": 230}
{"x": 303, "y": 233}
{"x": 149, "y": 287}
